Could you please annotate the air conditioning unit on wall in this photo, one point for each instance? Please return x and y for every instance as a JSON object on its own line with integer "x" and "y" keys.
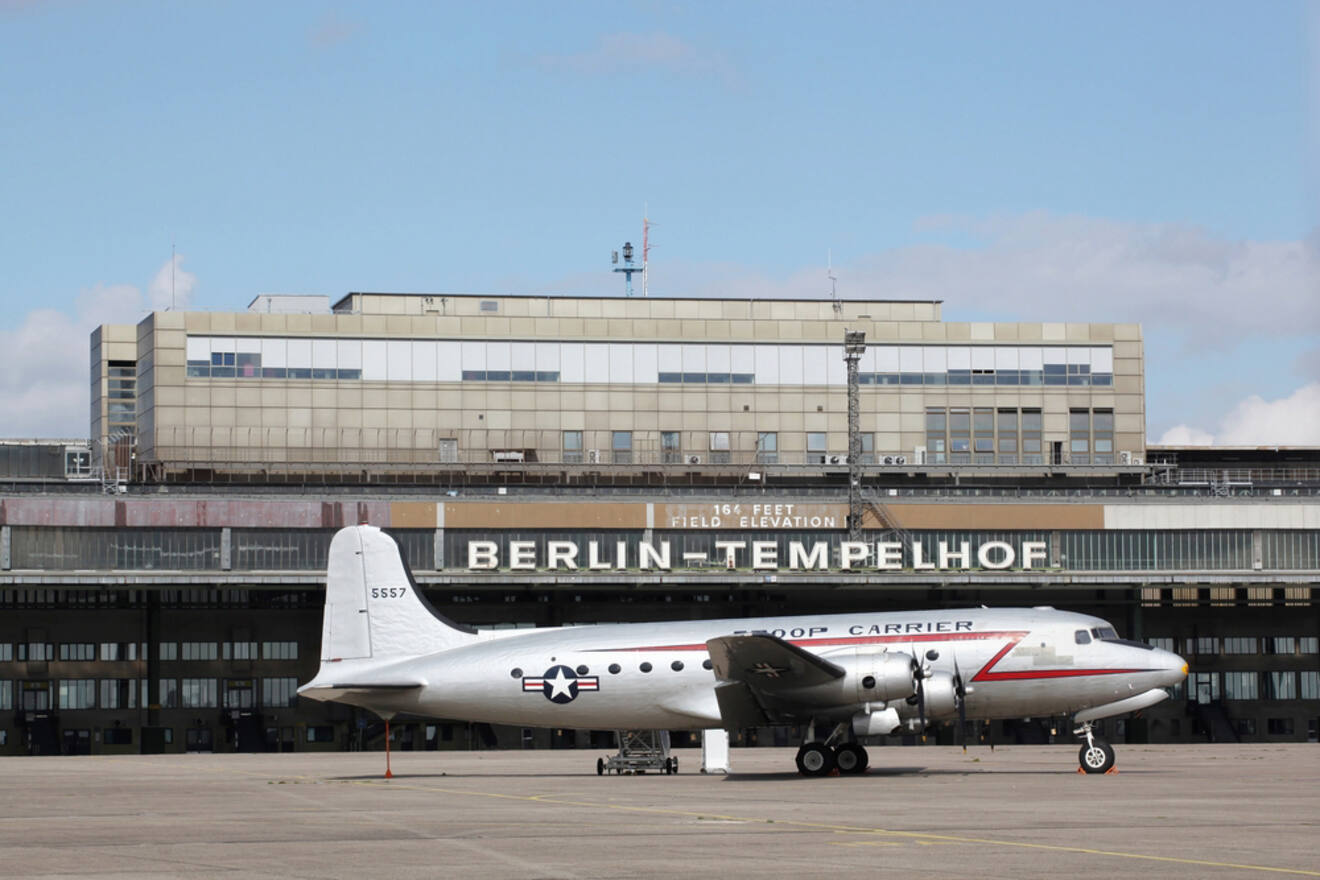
{"x": 593, "y": 456}
{"x": 836, "y": 459}
{"x": 694, "y": 459}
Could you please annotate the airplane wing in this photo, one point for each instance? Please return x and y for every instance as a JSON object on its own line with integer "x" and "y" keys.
{"x": 760, "y": 675}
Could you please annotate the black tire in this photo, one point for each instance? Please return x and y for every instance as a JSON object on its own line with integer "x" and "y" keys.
{"x": 815, "y": 759}
{"x": 851, "y": 758}
{"x": 600, "y": 766}
{"x": 1096, "y": 758}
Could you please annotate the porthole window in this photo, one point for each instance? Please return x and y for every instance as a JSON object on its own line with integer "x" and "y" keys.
{"x": 614, "y": 669}
{"x": 677, "y": 666}
{"x": 583, "y": 670}
{"x": 706, "y": 664}
{"x": 515, "y": 672}
{"x": 646, "y": 667}
{"x": 868, "y": 682}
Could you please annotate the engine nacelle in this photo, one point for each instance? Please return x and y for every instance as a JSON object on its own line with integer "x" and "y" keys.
{"x": 876, "y": 676}
{"x": 941, "y": 697}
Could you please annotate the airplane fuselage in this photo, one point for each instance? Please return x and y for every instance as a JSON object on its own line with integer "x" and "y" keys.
{"x": 1013, "y": 662}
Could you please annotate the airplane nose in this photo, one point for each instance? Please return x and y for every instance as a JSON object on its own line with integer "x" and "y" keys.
{"x": 1176, "y": 666}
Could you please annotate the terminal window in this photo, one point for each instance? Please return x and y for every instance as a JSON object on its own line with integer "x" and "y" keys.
{"x": 572, "y": 447}
{"x": 77, "y": 693}
{"x": 198, "y": 693}
{"x": 1280, "y": 686}
{"x": 36, "y": 651}
{"x": 198, "y": 651}
{"x": 279, "y": 650}
{"x": 279, "y": 692}
{"x": 671, "y": 449}
{"x": 621, "y": 446}
{"x": 321, "y": 733}
{"x": 239, "y": 693}
{"x": 113, "y": 651}
{"x": 77, "y": 651}
{"x": 119, "y": 693}
{"x": 239, "y": 651}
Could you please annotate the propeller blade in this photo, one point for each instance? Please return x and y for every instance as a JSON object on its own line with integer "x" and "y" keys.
{"x": 919, "y": 673}
{"x": 960, "y": 693}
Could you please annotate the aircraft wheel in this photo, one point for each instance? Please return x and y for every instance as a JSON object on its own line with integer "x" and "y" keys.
{"x": 851, "y": 758}
{"x": 815, "y": 759}
{"x": 1098, "y": 757}
{"x": 600, "y": 766}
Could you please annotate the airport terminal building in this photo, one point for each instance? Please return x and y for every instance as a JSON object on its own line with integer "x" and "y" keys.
{"x": 556, "y": 460}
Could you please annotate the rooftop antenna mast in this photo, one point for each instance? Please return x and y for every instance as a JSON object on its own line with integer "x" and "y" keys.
{"x": 646, "y": 249}
{"x": 834, "y": 282}
{"x": 171, "y": 273}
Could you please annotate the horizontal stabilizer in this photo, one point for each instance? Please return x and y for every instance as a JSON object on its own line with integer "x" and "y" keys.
{"x": 338, "y": 690}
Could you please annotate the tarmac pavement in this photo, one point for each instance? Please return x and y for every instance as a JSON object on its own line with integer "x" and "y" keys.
{"x": 1197, "y": 811}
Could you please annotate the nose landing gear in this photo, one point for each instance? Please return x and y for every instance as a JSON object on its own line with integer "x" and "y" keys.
{"x": 1096, "y": 755}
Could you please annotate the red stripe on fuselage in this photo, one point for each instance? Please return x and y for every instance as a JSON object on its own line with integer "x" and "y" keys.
{"x": 838, "y": 641}
{"x": 985, "y": 674}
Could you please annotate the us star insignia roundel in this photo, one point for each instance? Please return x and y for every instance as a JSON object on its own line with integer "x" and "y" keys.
{"x": 560, "y": 684}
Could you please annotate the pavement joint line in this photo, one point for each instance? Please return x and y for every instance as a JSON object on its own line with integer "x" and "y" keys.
{"x": 823, "y": 826}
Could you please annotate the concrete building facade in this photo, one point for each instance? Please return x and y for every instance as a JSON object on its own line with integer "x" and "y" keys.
{"x": 468, "y": 380}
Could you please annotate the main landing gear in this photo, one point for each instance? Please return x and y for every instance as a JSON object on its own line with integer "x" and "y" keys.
{"x": 1096, "y": 755}
{"x": 821, "y": 758}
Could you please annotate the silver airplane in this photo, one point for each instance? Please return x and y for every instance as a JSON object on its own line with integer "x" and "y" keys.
{"x": 385, "y": 649}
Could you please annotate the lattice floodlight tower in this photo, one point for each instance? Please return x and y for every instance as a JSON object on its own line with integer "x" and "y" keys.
{"x": 628, "y": 267}
{"x": 854, "y": 344}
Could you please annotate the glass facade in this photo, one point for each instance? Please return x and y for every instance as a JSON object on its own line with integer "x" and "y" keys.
{"x": 101, "y": 548}
{"x": 430, "y": 360}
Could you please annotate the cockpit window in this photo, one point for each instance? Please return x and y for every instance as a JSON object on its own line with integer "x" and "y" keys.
{"x": 1105, "y": 633}
{"x": 1083, "y": 637}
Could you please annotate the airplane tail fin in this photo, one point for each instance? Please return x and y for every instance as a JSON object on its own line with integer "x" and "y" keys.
{"x": 373, "y": 608}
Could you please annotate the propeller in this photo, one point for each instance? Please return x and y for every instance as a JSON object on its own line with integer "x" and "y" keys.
{"x": 960, "y": 693}
{"x": 919, "y": 672}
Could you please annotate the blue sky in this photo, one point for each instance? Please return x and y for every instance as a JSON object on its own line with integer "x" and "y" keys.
{"x": 1154, "y": 163}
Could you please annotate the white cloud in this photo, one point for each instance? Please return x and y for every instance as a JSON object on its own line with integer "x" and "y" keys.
{"x": 627, "y": 53}
{"x": 1186, "y": 435}
{"x": 1288, "y": 421}
{"x": 44, "y": 362}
